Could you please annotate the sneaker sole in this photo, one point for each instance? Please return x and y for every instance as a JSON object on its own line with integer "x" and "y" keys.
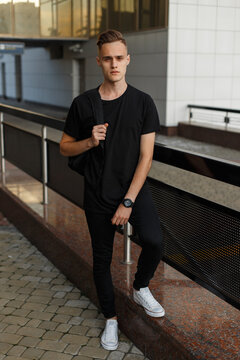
{"x": 109, "y": 347}
{"x": 150, "y": 313}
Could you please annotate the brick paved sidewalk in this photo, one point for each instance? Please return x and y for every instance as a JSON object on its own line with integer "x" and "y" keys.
{"x": 42, "y": 314}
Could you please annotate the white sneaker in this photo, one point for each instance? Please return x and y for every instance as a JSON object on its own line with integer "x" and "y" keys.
{"x": 151, "y": 306}
{"x": 109, "y": 338}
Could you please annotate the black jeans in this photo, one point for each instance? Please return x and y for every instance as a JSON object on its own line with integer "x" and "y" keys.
{"x": 146, "y": 222}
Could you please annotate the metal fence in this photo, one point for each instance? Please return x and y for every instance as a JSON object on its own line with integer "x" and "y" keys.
{"x": 202, "y": 238}
{"x": 228, "y": 119}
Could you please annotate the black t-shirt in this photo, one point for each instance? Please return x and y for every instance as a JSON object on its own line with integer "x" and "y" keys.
{"x": 129, "y": 116}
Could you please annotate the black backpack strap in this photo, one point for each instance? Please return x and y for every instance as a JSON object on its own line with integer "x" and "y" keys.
{"x": 97, "y": 107}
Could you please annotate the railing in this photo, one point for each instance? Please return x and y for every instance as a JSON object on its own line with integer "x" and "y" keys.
{"x": 215, "y": 116}
{"x": 202, "y": 238}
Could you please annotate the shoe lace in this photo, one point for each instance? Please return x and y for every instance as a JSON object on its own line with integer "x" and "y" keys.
{"x": 148, "y": 298}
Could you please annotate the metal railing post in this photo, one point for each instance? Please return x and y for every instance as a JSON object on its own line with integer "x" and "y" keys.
{"x": 226, "y": 120}
{"x": 190, "y": 115}
{"x": 127, "y": 244}
{"x": 44, "y": 164}
{"x": 3, "y": 164}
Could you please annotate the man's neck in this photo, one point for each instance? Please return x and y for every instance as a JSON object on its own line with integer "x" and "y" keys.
{"x": 111, "y": 91}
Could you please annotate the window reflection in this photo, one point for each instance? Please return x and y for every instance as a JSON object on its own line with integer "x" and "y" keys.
{"x": 79, "y": 18}
{"x": 152, "y": 13}
{"x": 26, "y": 16}
{"x": 98, "y": 14}
{"x": 5, "y": 17}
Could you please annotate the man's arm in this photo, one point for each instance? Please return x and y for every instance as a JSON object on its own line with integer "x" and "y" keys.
{"x": 122, "y": 213}
{"x": 70, "y": 147}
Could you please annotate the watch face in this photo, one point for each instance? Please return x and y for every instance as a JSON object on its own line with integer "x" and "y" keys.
{"x": 127, "y": 203}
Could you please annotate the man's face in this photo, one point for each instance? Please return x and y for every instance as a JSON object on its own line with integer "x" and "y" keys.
{"x": 113, "y": 59}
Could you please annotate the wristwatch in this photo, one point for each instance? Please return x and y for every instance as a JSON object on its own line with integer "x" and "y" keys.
{"x": 127, "y": 203}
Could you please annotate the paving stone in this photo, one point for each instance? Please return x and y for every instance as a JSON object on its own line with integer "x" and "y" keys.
{"x": 52, "y": 308}
{"x": 40, "y": 315}
{"x": 16, "y": 350}
{"x": 53, "y": 345}
{"x": 21, "y": 312}
{"x": 48, "y": 325}
{"x": 64, "y": 288}
{"x": 76, "y": 320}
{"x": 98, "y": 353}
{"x": 29, "y": 341}
{"x": 18, "y": 320}
{"x": 4, "y": 347}
{"x": 50, "y": 355}
{"x": 80, "y": 330}
{"x": 48, "y": 293}
{"x": 43, "y": 315}
{"x": 134, "y": 357}
{"x": 39, "y": 299}
{"x": 33, "y": 354}
{"x": 116, "y": 355}
{"x": 61, "y": 318}
{"x": 29, "y": 331}
{"x": 12, "y": 329}
{"x": 58, "y": 302}
{"x": 72, "y": 349}
{"x": 94, "y": 342}
{"x": 11, "y": 357}
{"x": 94, "y": 332}
{"x": 60, "y": 294}
{"x": 75, "y": 339}
{"x": 124, "y": 346}
{"x": 72, "y": 296}
{"x": 3, "y": 302}
{"x": 89, "y": 314}
{"x": 67, "y": 310}
{"x": 52, "y": 335}
{"x": 94, "y": 323}
{"x": 135, "y": 350}
{"x": 34, "y": 306}
{"x": 34, "y": 323}
{"x": 64, "y": 328}
{"x": 7, "y": 311}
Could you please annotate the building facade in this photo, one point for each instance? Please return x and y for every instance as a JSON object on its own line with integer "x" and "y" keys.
{"x": 182, "y": 51}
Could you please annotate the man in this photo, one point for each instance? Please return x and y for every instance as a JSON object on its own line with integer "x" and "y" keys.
{"x": 119, "y": 192}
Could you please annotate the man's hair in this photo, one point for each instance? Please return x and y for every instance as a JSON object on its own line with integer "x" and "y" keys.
{"x": 109, "y": 36}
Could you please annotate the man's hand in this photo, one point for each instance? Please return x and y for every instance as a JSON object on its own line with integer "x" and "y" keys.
{"x": 98, "y": 133}
{"x": 121, "y": 215}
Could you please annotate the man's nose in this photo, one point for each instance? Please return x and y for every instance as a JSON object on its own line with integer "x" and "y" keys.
{"x": 114, "y": 63}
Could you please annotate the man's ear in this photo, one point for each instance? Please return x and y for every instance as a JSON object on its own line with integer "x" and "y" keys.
{"x": 128, "y": 59}
{"x": 98, "y": 61}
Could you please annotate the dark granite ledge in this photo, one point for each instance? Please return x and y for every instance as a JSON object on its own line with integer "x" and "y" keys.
{"x": 197, "y": 325}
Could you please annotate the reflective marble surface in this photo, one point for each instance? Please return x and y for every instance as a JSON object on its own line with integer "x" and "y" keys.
{"x": 197, "y": 321}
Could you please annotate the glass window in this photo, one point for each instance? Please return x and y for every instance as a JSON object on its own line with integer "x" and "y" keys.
{"x": 5, "y": 17}
{"x": 98, "y": 16}
{"x": 80, "y": 18}
{"x": 64, "y": 18}
{"x": 152, "y": 13}
{"x": 127, "y": 14}
{"x": 46, "y": 18}
{"x": 26, "y": 14}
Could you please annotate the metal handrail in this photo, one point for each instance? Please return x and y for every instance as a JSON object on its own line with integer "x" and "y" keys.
{"x": 181, "y": 159}
{"x": 226, "y": 118}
